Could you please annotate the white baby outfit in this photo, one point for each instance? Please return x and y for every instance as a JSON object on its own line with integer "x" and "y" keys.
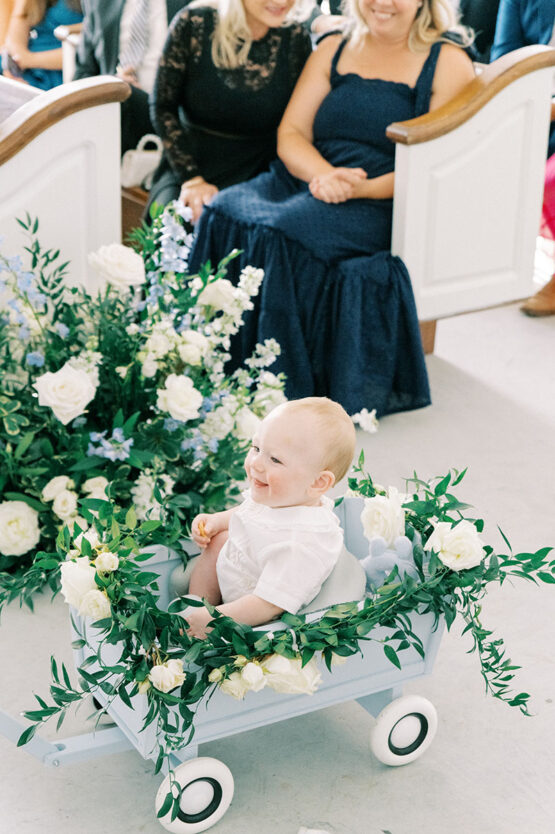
{"x": 281, "y": 554}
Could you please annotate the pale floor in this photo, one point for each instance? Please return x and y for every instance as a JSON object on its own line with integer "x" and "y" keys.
{"x": 490, "y": 770}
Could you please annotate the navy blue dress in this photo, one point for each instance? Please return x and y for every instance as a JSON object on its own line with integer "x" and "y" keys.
{"x": 334, "y": 297}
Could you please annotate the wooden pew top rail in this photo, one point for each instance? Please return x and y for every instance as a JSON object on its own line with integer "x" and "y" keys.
{"x": 48, "y": 108}
{"x": 494, "y": 78}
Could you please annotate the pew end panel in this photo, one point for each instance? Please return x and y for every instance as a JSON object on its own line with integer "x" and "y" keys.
{"x": 468, "y": 188}
{"x": 59, "y": 161}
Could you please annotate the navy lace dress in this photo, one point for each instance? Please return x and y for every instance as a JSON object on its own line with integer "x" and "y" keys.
{"x": 334, "y": 297}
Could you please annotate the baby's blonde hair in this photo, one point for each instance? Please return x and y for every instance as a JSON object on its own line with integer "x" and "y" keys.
{"x": 335, "y": 428}
{"x": 433, "y": 19}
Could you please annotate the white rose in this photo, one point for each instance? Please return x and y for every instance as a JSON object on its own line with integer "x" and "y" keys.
{"x": 235, "y": 686}
{"x": 96, "y": 487}
{"x": 96, "y": 605}
{"x": 166, "y": 676}
{"x": 75, "y": 519}
{"x": 158, "y": 345}
{"x": 106, "y": 562}
{"x": 217, "y": 424}
{"x": 19, "y": 528}
{"x": 215, "y": 676}
{"x": 90, "y": 535}
{"x": 149, "y": 367}
{"x": 180, "y": 398}
{"x": 288, "y": 675}
{"x": 253, "y": 676}
{"x": 119, "y": 266}
{"x": 383, "y": 516}
{"x": 193, "y": 347}
{"x": 246, "y": 423}
{"x": 66, "y": 392}
{"x": 56, "y": 485}
{"x": 218, "y": 294}
{"x": 458, "y": 547}
{"x": 77, "y": 579}
{"x": 65, "y": 504}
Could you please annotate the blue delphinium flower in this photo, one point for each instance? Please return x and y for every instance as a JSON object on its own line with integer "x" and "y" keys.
{"x": 35, "y": 358}
{"x": 23, "y": 333}
{"x": 172, "y": 425}
{"x": 26, "y": 281}
{"x": 61, "y": 329}
{"x": 79, "y": 422}
{"x": 115, "y": 447}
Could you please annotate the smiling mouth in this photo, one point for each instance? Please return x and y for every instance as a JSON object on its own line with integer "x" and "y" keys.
{"x": 258, "y": 483}
{"x": 276, "y": 10}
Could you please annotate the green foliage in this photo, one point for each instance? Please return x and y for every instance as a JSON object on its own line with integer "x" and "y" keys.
{"x": 127, "y": 341}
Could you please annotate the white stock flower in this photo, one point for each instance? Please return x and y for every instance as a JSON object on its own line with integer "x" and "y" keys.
{"x": 383, "y": 516}
{"x": 66, "y": 392}
{"x": 96, "y": 605}
{"x": 119, "y": 266}
{"x": 253, "y": 676}
{"x": 218, "y": 294}
{"x": 19, "y": 528}
{"x": 65, "y": 504}
{"x": 288, "y": 675}
{"x": 235, "y": 686}
{"x": 96, "y": 487}
{"x": 55, "y": 486}
{"x": 459, "y": 547}
{"x": 269, "y": 392}
{"x": 367, "y": 420}
{"x": 106, "y": 562}
{"x": 250, "y": 279}
{"x": 75, "y": 520}
{"x": 166, "y": 676}
{"x": 77, "y": 579}
{"x": 180, "y": 398}
{"x": 246, "y": 423}
{"x": 215, "y": 676}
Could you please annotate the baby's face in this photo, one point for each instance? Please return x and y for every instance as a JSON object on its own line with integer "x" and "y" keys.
{"x": 284, "y": 460}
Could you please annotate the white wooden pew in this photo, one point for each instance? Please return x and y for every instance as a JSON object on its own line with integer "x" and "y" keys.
{"x": 60, "y": 162}
{"x": 468, "y": 189}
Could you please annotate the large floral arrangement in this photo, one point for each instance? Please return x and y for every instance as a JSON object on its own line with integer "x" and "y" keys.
{"x": 447, "y": 574}
{"x": 119, "y": 395}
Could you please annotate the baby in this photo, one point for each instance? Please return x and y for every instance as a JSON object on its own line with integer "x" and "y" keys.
{"x": 272, "y": 552}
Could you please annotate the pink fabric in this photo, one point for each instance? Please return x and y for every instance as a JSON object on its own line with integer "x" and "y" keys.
{"x": 547, "y": 226}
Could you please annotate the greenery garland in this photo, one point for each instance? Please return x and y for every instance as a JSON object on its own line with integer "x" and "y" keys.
{"x": 176, "y": 672}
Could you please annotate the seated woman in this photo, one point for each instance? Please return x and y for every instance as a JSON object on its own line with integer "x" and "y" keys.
{"x": 319, "y": 223}
{"x": 35, "y": 55}
{"x": 522, "y": 23}
{"x": 227, "y": 71}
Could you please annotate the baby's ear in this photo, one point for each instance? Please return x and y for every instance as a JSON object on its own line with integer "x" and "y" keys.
{"x": 324, "y": 481}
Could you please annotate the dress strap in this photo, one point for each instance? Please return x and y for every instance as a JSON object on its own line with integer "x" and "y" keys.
{"x": 423, "y": 86}
{"x": 336, "y": 57}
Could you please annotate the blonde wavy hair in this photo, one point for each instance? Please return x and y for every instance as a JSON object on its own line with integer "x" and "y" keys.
{"x": 232, "y": 37}
{"x": 433, "y": 19}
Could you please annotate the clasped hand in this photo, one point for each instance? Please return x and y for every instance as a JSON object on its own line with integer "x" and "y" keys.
{"x": 337, "y": 185}
{"x": 197, "y": 194}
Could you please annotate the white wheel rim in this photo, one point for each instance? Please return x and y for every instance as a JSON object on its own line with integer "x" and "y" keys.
{"x": 206, "y": 790}
{"x": 404, "y": 730}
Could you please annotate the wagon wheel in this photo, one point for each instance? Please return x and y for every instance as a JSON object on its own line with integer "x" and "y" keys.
{"x": 206, "y": 791}
{"x": 404, "y": 730}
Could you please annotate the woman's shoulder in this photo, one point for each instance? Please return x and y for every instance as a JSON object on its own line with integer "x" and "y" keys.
{"x": 453, "y": 58}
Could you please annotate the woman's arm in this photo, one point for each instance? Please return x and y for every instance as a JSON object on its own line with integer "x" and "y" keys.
{"x": 295, "y": 147}
{"x": 454, "y": 71}
{"x": 167, "y": 97}
{"x": 17, "y": 41}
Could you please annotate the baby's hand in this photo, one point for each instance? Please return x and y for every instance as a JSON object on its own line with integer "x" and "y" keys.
{"x": 202, "y": 530}
{"x": 197, "y": 619}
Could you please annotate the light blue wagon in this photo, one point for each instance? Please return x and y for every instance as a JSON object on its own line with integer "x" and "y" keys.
{"x": 404, "y": 728}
